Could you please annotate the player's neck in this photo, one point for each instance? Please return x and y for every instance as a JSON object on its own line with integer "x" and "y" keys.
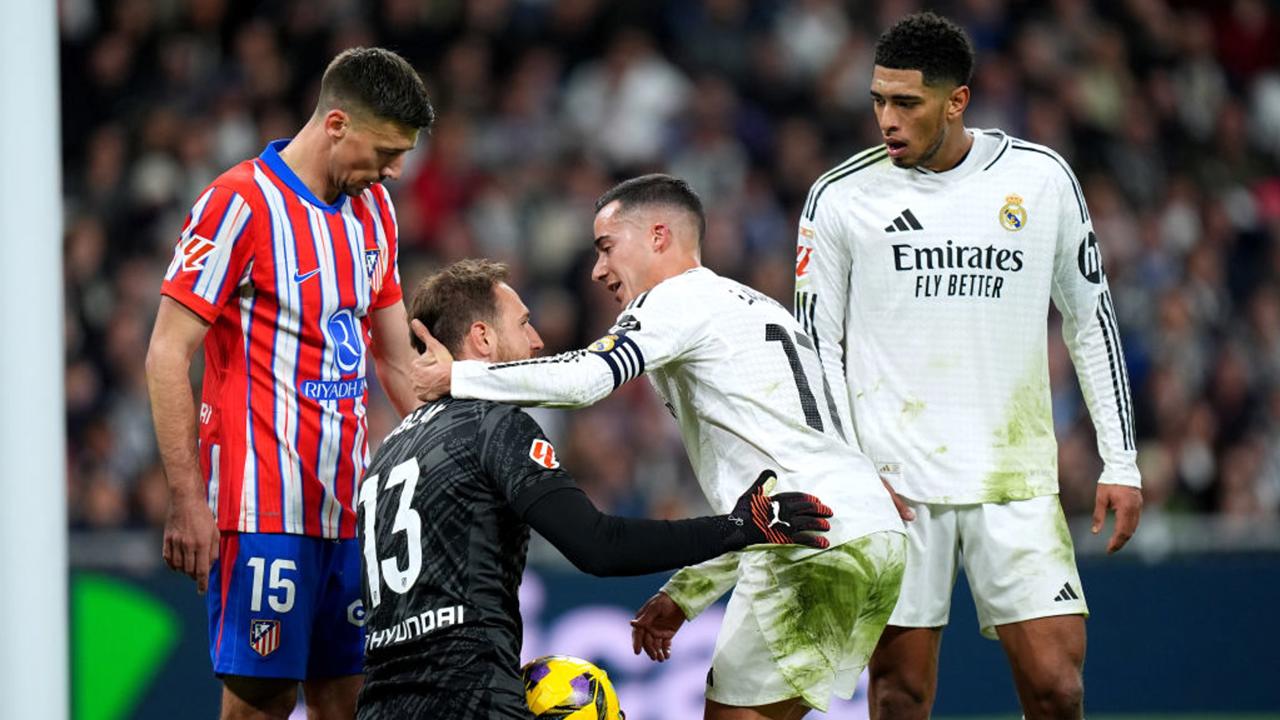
{"x": 953, "y": 151}
{"x": 305, "y": 155}
{"x": 677, "y": 265}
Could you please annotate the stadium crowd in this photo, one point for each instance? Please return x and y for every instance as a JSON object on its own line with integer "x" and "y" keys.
{"x": 1169, "y": 112}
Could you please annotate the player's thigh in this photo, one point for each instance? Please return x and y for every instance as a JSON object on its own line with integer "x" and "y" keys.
{"x": 261, "y": 603}
{"x": 337, "y": 631}
{"x": 253, "y": 698}
{"x": 801, "y": 625}
{"x": 332, "y": 698}
{"x": 932, "y": 562}
{"x": 1046, "y": 654}
{"x": 1020, "y": 562}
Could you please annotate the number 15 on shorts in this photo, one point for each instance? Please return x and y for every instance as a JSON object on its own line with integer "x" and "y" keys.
{"x": 279, "y": 590}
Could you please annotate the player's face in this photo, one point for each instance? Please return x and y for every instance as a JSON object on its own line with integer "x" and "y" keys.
{"x": 368, "y": 151}
{"x": 517, "y": 340}
{"x": 623, "y": 252}
{"x": 913, "y": 117}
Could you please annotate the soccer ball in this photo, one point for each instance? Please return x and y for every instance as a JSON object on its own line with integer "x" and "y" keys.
{"x": 569, "y": 688}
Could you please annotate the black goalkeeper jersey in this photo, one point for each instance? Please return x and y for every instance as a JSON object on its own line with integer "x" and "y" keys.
{"x": 444, "y": 544}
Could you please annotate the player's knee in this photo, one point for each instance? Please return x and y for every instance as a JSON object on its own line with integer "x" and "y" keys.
{"x": 1061, "y": 697}
{"x": 900, "y": 697}
{"x": 257, "y": 699}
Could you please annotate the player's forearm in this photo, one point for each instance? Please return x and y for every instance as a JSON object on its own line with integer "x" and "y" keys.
{"x": 568, "y": 380}
{"x": 608, "y": 545}
{"x": 695, "y": 588}
{"x": 393, "y": 376}
{"x": 1100, "y": 368}
{"x": 393, "y": 356}
{"x": 174, "y": 417}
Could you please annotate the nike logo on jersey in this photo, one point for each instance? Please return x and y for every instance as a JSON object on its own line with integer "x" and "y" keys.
{"x": 302, "y": 277}
{"x": 906, "y": 221}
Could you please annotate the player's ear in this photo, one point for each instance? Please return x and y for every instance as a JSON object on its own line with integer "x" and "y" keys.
{"x": 336, "y": 123}
{"x": 660, "y": 236}
{"x": 480, "y": 340}
{"x": 957, "y": 101}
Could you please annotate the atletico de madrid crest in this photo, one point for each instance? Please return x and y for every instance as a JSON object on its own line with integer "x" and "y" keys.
{"x": 370, "y": 261}
{"x": 264, "y": 636}
{"x": 542, "y": 453}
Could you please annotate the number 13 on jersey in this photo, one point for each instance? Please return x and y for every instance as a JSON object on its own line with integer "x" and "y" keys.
{"x": 407, "y": 521}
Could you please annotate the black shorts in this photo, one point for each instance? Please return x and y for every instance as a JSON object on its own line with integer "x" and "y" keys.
{"x": 465, "y": 704}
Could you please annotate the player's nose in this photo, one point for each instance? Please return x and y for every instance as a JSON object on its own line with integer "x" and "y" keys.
{"x": 391, "y": 171}
{"x": 600, "y": 271}
{"x": 535, "y": 341}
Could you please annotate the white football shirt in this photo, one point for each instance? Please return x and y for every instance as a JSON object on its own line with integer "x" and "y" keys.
{"x": 928, "y": 293}
{"x": 742, "y": 380}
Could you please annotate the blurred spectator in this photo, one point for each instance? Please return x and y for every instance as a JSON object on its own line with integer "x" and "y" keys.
{"x": 1169, "y": 112}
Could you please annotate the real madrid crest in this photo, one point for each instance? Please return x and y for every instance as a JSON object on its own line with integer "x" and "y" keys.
{"x": 1013, "y": 217}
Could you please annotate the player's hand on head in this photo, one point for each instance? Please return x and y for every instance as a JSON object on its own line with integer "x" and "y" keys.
{"x": 191, "y": 540}
{"x": 1127, "y": 503}
{"x": 432, "y": 371}
{"x": 655, "y": 624}
{"x": 789, "y": 518}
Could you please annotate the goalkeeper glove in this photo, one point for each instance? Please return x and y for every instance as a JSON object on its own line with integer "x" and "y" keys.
{"x": 784, "y": 519}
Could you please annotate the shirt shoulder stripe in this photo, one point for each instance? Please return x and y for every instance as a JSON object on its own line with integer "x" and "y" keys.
{"x": 862, "y": 162}
{"x": 1075, "y": 185}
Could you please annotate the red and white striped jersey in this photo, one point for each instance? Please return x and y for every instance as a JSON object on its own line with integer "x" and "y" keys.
{"x": 287, "y": 283}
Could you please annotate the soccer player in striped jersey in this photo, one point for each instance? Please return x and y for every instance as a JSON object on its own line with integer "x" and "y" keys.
{"x": 925, "y": 269}
{"x": 747, "y": 390}
{"x": 286, "y": 272}
{"x": 447, "y": 506}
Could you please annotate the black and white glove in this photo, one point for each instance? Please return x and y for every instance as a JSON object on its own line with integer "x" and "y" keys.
{"x": 783, "y": 519}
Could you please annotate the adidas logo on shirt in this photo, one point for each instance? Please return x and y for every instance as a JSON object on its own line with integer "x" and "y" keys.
{"x": 905, "y": 222}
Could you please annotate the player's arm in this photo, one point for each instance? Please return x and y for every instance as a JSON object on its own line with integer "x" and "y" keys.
{"x": 684, "y": 596}
{"x": 608, "y": 545}
{"x": 641, "y": 340}
{"x": 191, "y": 536}
{"x": 521, "y": 462}
{"x": 695, "y": 588}
{"x": 211, "y": 261}
{"x": 823, "y": 259}
{"x": 393, "y": 356}
{"x": 1092, "y": 335}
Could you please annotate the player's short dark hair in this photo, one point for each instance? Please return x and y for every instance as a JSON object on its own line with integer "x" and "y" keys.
{"x": 377, "y": 82}
{"x": 932, "y": 44}
{"x": 453, "y": 298}
{"x": 657, "y": 189}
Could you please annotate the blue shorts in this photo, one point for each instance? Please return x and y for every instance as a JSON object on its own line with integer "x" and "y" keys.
{"x": 286, "y": 606}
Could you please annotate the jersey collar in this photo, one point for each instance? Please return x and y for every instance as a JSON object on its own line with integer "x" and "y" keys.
{"x": 271, "y": 157}
{"x": 979, "y": 152}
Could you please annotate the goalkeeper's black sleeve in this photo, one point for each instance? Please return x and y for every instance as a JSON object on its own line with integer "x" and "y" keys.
{"x": 605, "y": 545}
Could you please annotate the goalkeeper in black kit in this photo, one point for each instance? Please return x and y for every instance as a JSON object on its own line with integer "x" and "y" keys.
{"x": 445, "y": 511}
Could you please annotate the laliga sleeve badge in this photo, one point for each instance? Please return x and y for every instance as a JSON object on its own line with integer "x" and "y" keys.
{"x": 544, "y": 454}
{"x": 1013, "y": 217}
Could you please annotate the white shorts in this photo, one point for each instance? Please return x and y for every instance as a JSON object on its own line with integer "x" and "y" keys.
{"x": 1017, "y": 556}
{"x": 805, "y": 628}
